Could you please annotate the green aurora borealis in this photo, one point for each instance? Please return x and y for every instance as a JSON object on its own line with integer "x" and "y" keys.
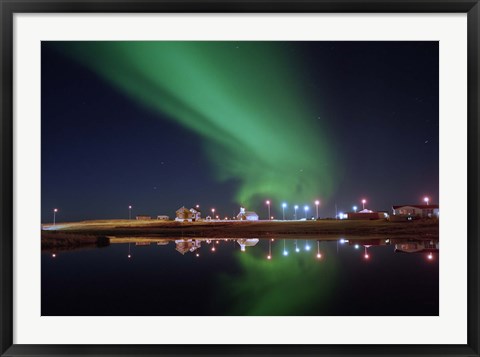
{"x": 293, "y": 285}
{"x": 247, "y": 100}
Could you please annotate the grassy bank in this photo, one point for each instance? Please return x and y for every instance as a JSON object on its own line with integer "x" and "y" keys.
{"x": 88, "y": 231}
{"x": 61, "y": 240}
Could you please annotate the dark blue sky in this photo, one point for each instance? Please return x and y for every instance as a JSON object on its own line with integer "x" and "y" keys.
{"x": 102, "y": 151}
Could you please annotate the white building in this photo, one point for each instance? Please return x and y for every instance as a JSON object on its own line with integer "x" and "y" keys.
{"x": 247, "y": 215}
{"x": 424, "y": 211}
{"x": 163, "y": 218}
{"x": 247, "y": 243}
{"x": 196, "y": 214}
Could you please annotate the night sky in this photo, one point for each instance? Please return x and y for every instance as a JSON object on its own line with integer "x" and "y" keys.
{"x": 159, "y": 125}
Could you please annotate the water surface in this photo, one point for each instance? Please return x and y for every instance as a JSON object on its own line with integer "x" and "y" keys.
{"x": 236, "y": 277}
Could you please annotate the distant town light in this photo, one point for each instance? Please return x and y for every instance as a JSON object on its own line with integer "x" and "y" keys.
{"x": 54, "y": 255}
{"x": 363, "y": 203}
{"x": 268, "y": 204}
{"x": 426, "y": 199}
{"x": 319, "y": 255}
{"x": 269, "y": 257}
{"x": 355, "y": 209}
{"x": 366, "y": 256}
{"x": 213, "y": 249}
{"x": 285, "y": 253}
{"x": 430, "y": 256}
{"x": 297, "y": 249}
{"x": 357, "y": 246}
{"x": 197, "y": 255}
{"x": 129, "y": 256}
{"x": 284, "y": 205}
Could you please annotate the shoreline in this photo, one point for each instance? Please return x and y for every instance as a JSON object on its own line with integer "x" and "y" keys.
{"x": 100, "y": 233}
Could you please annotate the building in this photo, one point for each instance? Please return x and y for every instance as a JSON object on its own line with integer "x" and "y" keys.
{"x": 186, "y": 245}
{"x": 417, "y": 246}
{"x": 196, "y": 214}
{"x": 247, "y": 243}
{"x": 420, "y": 211}
{"x": 163, "y": 218}
{"x": 247, "y": 215}
{"x": 183, "y": 215}
{"x": 365, "y": 214}
{"x": 143, "y": 218}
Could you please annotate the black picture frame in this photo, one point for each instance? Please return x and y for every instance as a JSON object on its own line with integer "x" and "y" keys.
{"x": 10, "y": 7}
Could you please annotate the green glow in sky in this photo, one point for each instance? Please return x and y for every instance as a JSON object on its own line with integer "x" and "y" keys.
{"x": 247, "y": 100}
{"x": 294, "y": 285}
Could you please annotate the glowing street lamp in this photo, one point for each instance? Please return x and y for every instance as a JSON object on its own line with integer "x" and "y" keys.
{"x": 213, "y": 213}
{"x": 55, "y": 210}
{"x": 306, "y": 210}
{"x": 197, "y": 206}
{"x": 130, "y": 212}
{"x": 318, "y": 250}
{"x": 355, "y": 209}
{"x": 366, "y": 252}
{"x": 285, "y": 252}
{"x": 426, "y": 199}
{"x": 283, "y": 209}
{"x": 307, "y": 246}
{"x": 363, "y": 203}
{"x": 295, "y": 215}
{"x": 268, "y": 204}
{"x": 317, "y": 202}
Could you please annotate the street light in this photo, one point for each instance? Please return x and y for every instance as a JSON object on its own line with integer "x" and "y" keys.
{"x": 355, "y": 209}
{"x": 295, "y": 215}
{"x": 363, "y": 203}
{"x": 426, "y": 199}
{"x": 283, "y": 209}
{"x": 129, "y": 212}
{"x": 317, "y": 202}
{"x": 55, "y": 210}
{"x": 307, "y": 246}
{"x": 268, "y": 204}
{"x": 306, "y": 209}
{"x": 213, "y": 213}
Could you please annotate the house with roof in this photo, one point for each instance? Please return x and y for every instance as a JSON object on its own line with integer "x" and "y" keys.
{"x": 196, "y": 214}
{"x": 416, "y": 246}
{"x": 247, "y": 215}
{"x": 421, "y": 211}
{"x": 186, "y": 245}
{"x": 183, "y": 215}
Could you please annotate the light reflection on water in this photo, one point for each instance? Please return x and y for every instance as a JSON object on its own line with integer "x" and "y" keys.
{"x": 247, "y": 276}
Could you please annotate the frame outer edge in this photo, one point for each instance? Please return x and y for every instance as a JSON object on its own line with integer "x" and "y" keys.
{"x": 473, "y": 174}
{"x": 6, "y": 179}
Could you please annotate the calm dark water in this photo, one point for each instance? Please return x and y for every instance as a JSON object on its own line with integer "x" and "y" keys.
{"x": 368, "y": 277}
